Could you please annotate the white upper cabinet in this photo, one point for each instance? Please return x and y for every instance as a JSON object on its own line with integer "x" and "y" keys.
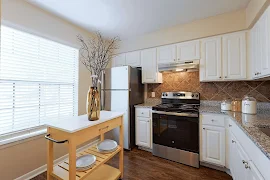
{"x": 210, "y": 64}
{"x": 119, "y": 60}
{"x": 133, "y": 59}
{"x": 166, "y": 54}
{"x": 188, "y": 51}
{"x": 150, "y": 72}
{"x": 255, "y": 51}
{"x": 234, "y": 56}
{"x": 260, "y": 45}
{"x": 224, "y": 58}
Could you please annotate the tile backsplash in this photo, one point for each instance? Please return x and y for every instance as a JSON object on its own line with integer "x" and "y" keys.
{"x": 215, "y": 91}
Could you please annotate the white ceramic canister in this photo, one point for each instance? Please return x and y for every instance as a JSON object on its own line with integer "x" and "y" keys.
{"x": 249, "y": 105}
{"x": 226, "y": 105}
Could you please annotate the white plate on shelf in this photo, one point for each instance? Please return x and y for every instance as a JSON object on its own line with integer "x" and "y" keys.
{"x": 85, "y": 162}
{"x": 107, "y": 145}
{"x": 107, "y": 151}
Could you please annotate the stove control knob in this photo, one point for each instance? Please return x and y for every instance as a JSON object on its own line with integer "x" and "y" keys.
{"x": 197, "y": 95}
{"x": 166, "y": 94}
{"x": 192, "y": 95}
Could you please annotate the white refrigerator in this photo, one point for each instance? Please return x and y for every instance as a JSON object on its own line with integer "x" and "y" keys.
{"x": 121, "y": 89}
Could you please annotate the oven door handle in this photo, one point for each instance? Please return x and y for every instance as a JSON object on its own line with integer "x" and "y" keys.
{"x": 176, "y": 114}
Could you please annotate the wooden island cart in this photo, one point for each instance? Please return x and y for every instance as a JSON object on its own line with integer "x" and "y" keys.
{"x": 76, "y": 131}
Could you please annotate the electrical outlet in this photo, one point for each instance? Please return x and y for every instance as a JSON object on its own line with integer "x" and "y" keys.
{"x": 153, "y": 94}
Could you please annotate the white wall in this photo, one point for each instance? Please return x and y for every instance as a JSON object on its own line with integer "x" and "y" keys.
{"x": 224, "y": 23}
{"x": 18, "y": 159}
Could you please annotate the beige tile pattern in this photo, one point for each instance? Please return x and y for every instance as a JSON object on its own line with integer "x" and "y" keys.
{"x": 189, "y": 81}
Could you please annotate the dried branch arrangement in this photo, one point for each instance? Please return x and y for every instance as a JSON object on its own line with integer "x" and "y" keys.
{"x": 96, "y": 53}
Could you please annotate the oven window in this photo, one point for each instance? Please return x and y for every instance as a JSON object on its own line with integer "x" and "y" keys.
{"x": 176, "y": 132}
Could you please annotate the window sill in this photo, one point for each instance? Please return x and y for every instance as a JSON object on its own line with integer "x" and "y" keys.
{"x": 22, "y": 138}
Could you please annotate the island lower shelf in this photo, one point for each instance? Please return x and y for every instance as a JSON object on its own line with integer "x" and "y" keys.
{"x": 61, "y": 170}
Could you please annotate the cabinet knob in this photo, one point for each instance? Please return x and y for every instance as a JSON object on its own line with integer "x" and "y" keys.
{"x": 219, "y": 77}
{"x": 225, "y": 76}
{"x": 233, "y": 141}
{"x": 212, "y": 120}
{"x": 203, "y": 128}
{"x": 230, "y": 125}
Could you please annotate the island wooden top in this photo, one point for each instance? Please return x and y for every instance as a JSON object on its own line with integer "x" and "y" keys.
{"x": 77, "y": 123}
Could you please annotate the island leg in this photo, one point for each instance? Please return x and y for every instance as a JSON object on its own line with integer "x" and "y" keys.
{"x": 72, "y": 160}
{"x": 49, "y": 158}
{"x": 102, "y": 137}
{"x": 121, "y": 154}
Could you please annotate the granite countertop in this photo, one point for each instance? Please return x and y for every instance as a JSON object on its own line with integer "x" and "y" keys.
{"x": 250, "y": 124}
{"x": 149, "y": 103}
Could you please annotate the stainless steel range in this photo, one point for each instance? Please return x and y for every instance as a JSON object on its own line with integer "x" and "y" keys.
{"x": 176, "y": 127}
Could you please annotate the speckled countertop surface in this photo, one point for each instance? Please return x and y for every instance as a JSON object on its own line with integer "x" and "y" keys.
{"x": 149, "y": 103}
{"x": 249, "y": 124}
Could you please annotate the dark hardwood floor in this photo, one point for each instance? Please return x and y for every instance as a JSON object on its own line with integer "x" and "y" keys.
{"x": 142, "y": 165}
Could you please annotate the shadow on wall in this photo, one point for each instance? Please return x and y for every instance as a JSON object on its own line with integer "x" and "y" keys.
{"x": 216, "y": 91}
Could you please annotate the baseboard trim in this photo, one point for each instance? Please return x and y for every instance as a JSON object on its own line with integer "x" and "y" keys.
{"x": 216, "y": 167}
{"x": 144, "y": 148}
{"x": 43, "y": 168}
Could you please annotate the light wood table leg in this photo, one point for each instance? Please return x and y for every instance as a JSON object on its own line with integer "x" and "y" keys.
{"x": 72, "y": 160}
{"x": 121, "y": 154}
{"x": 49, "y": 159}
{"x": 101, "y": 137}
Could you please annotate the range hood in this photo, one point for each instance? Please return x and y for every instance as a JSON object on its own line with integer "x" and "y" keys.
{"x": 187, "y": 66}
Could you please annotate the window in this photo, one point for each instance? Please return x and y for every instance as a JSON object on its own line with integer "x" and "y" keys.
{"x": 38, "y": 81}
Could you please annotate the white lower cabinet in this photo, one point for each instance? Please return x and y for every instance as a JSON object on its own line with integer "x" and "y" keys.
{"x": 213, "y": 145}
{"x": 242, "y": 167}
{"x": 143, "y": 127}
{"x": 143, "y": 132}
{"x": 224, "y": 144}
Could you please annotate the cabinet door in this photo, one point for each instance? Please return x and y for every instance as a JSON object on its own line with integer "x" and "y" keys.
{"x": 119, "y": 60}
{"x": 254, "y": 50}
{"x": 236, "y": 161}
{"x": 253, "y": 172}
{"x": 213, "y": 145}
{"x": 166, "y": 54}
{"x": 149, "y": 65}
{"x": 264, "y": 44}
{"x": 234, "y": 56}
{"x": 188, "y": 51}
{"x": 133, "y": 59}
{"x": 232, "y": 154}
{"x": 210, "y": 64}
{"x": 143, "y": 132}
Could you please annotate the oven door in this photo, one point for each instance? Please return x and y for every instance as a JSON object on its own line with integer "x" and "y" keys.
{"x": 176, "y": 131}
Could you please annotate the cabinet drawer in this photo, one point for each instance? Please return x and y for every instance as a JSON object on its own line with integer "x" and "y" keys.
{"x": 143, "y": 112}
{"x": 213, "y": 120}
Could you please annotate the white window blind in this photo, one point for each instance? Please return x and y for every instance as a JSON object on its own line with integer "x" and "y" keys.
{"x": 38, "y": 81}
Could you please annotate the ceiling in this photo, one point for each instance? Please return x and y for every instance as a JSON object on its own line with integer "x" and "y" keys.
{"x": 129, "y": 18}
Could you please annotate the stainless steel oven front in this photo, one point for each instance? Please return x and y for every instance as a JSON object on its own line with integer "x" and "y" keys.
{"x": 176, "y": 137}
